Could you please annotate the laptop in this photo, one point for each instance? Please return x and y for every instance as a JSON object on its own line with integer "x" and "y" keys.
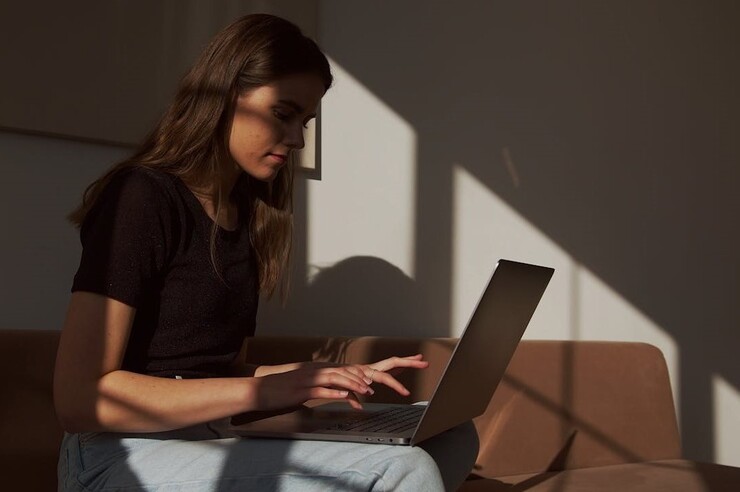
{"x": 463, "y": 392}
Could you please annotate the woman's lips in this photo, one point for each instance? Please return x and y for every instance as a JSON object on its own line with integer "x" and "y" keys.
{"x": 278, "y": 158}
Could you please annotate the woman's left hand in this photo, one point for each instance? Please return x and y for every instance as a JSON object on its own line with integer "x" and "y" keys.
{"x": 382, "y": 371}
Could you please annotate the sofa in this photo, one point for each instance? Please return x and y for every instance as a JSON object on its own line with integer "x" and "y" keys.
{"x": 568, "y": 415}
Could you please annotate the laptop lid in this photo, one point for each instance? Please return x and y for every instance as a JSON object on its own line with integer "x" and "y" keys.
{"x": 485, "y": 348}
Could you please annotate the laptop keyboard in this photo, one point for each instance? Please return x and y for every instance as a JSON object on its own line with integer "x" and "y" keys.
{"x": 392, "y": 420}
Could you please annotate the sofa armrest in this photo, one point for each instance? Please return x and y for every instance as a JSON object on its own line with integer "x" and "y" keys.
{"x": 578, "y": 404}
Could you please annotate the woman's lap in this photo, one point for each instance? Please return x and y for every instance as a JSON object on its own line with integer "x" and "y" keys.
{"x": 195, "y": 459}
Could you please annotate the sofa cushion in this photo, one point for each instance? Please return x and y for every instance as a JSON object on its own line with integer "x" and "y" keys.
{"x": 652, "y": 476}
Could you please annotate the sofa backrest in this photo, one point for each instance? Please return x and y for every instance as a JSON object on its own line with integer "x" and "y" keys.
{"x": 29, "y": 432}
{"x": 566, "y": 405}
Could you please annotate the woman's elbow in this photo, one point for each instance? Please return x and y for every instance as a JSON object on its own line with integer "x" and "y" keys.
{"x": 73, "y": 407}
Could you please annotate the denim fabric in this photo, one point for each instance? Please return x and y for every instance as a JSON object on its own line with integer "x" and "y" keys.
{"x": 205, "y": 458}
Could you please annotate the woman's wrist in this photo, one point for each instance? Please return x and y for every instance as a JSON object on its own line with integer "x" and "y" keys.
{"x": 261, "y": 371}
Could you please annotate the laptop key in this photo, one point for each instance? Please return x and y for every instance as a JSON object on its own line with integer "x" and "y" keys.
{"x": 391, "y": 420}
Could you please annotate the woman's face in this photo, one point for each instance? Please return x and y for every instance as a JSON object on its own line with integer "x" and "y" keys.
{"x": 269, "y": 122}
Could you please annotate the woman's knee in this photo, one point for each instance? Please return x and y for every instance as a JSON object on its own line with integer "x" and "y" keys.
{"x": 411, "y": 468}
{"x": 454, "y": 452}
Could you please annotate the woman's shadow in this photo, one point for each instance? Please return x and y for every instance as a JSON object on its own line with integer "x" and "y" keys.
{"x": 359, "y": 296}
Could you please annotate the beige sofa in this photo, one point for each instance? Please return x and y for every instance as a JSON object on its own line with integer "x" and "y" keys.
{"x": 569, "y": 416}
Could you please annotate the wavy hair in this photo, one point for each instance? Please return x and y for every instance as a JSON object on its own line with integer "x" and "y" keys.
{"x": 191, "y": 139}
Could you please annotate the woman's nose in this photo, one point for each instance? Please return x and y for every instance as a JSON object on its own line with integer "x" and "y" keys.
{"x": 294, "y": 137}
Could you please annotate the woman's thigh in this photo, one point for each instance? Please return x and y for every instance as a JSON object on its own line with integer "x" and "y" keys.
{"x": 193, "y": 460}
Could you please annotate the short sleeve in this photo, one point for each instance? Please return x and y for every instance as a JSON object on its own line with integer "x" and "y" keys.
{"x": 125, "y": 238}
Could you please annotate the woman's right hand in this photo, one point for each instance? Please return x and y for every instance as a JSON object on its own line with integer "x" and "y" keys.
{"x": 308, "y": 382}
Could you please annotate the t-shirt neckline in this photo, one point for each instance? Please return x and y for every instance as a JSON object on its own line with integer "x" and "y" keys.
{"x": 194, "y": 202}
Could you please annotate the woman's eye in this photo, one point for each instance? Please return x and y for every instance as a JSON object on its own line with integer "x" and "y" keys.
{"x": 280, "y": 115}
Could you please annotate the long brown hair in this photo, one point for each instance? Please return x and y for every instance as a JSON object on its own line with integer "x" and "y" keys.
{"x": 191, "y": 139}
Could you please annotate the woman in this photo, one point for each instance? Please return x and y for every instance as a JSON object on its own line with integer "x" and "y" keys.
{"x": 178, "y": 242}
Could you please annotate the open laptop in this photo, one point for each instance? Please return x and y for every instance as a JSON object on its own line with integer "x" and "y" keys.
{"x": 463, "y": 392}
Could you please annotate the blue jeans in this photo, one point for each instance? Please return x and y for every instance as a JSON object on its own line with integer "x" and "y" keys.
{"x": 207, "y": 458}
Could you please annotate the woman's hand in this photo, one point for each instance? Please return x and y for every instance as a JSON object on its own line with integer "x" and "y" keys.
{"x": 382, "y": 371}
{"x": 319, "y": 380}
{"x": 309, "y": 382}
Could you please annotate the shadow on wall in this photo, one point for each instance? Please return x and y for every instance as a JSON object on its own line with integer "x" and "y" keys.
{"x": 359, "y": 296}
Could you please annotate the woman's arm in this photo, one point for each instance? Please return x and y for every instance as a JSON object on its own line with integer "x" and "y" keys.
{"x": 93, "y": 393}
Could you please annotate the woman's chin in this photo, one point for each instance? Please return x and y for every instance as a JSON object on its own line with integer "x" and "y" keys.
{"x": 266, "y": 174}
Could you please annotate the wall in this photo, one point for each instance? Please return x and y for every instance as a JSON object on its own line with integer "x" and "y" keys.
{"x": 43, "y": 179}
{"x": 593, "y": 137}
{"x": 131, "y": 70}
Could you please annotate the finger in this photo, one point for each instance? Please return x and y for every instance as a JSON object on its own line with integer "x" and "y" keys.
{"x": 416, "y": 356}
{"x": 391, "y": 382}
{"x": 413, "y": 361}
{"x": 353, "y": 372}
{"x": 360, "y": 372}
{"x": 319, "y": 392}
{"x": 371, "y": 372}
{"x": 343, "y": 371}
{"x": 340, "y": 380}
{"x": 408, "y": 364}
{"x": 353, "y": 401}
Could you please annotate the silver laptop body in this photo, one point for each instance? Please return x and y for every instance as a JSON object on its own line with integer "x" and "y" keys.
{"x": 464, "y": 390}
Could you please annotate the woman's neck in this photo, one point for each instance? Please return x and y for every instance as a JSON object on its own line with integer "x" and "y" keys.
{"x": 227, "y": 215}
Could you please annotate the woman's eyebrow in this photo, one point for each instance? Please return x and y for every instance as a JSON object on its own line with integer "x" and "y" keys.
{"x": 297, "y": 107}
{"x": 292, "y": 104}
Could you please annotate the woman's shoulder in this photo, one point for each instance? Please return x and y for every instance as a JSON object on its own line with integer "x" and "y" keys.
{"x": 135, "y": 194}
{"x": 142, "y": 180}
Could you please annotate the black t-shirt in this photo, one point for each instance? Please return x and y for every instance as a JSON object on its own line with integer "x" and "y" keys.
{"x": 146, "y": 243}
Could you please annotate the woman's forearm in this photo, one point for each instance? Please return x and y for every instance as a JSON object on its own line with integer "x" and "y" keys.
{"x": 123, "y": 401}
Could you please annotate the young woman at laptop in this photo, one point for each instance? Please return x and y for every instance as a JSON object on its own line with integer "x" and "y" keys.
{"x": 178, "y": 242}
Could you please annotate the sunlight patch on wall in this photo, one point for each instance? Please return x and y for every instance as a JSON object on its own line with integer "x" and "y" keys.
{"x": 577, "y": 305}
{"x": 485, "y": 229}
{"x": 364, "y": 203}
{"x": 726, "y": 422}
{"x": 606, "y": 315}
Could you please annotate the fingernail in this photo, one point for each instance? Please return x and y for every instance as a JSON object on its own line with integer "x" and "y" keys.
{"x": 367, "y": 380}
{"x": 370, "y": 390}
{"x": 344, "y": 393}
